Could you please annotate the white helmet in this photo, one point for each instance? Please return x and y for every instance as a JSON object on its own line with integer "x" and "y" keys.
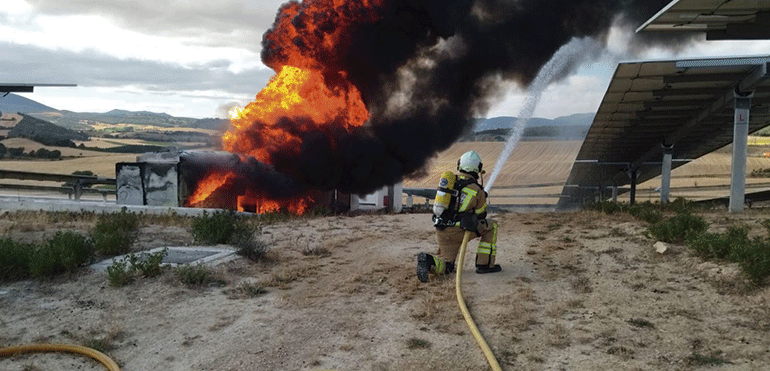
{"x": 470, "y": 162}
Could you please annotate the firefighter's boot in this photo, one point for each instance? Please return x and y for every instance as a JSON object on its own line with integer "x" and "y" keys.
{"x": 482, "y": 269}
{"x": 424, "y": 263}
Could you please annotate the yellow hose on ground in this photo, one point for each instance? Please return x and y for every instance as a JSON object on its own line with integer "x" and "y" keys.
{"x": 68, "y": 348}
{"x": 463, "y": 308}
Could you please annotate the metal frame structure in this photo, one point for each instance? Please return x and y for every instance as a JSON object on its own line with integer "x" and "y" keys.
{"x": 657, "y": 115}
{"x": 718, "y": 19}
{"x": 7, "y": 88}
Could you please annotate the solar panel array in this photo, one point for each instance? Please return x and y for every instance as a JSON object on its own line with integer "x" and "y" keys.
{"x": 685, "y": 103}
{"x": 719, "y": 19}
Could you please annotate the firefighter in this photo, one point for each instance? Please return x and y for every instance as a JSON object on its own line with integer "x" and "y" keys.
{"x": 460, "y": 205}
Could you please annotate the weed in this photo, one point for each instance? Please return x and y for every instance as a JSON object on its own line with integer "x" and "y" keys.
{"x": 721, "y": 246}
{"x": 582, "y": 285}
{"x": 126, "y": 270}
{"x": 119, "y": 273}
{"x": 195, "y": 275}
{"x": 148, "y": 265}
{"x": 246, "y": 290}
{"x": 679, "y": 228}
{"x": 248, "y": 246}
{"x": 646, "y": 211}
{"x": 15, "y": 258}
{"x": 218, "y": 227}
{"x": 697, "y": 359}
{"x": 641, "y": 323}
{"x": 755, "y": 260}
{"x": 415, "y": 343}
{"x": 316, "y": 251}
{"x": 115, "y": 233}
{"x": 64, "y": 252}
{"x": 99, "y": 344}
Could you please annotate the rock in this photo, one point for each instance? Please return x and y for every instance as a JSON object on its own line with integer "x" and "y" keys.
{"x": 661, "y": 247}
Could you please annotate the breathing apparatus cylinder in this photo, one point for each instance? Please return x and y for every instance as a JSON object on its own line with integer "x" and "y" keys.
{"x": 444, "y": 192}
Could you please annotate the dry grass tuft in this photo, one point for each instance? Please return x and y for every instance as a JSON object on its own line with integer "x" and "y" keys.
{"x": 284, "y": 276}
{"x": 559, "y": 337}
{"x": 582, "y": 285}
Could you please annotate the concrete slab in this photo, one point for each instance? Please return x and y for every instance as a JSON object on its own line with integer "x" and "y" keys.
{"x": 10, "y": 203}
{"x": 178, "y": 255}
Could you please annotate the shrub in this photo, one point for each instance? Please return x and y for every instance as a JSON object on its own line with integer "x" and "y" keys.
{"x": 755, "y": 260}
{"x": 119, "y": 274}
{"x": 126, "y": 270}
{"x": 14, "y": 259}
{"x": 65, "y": 252}
{"x": 195, "y": 275}
{"x": 725, "y": 246}
{"x": 249, "y": 246}
{"x": 679, "y": 228}
{"x": 217, "y": 228}
{"x": 680, "y": 205}
{"x": 115, "y": 233}
{"x": 608, "y": 207}
{"x": 148, "y": 265}
{"x": 646, "y": 211}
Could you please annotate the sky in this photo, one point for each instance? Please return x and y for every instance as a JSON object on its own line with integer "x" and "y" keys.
{"x": 199, "y": 58}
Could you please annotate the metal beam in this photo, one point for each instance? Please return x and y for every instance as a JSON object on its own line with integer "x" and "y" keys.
{"x": 745, "y": 83}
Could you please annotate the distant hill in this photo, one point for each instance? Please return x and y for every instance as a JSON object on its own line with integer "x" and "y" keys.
{"x": 16, "y": 103}
{"x": 45, "y": 132}
{"x": 507, "y": 122}
{"x": 82, "y": 120}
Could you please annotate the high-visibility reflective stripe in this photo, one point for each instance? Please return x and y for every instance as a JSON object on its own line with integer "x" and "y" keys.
{"x": 494, "y": 235}
{"x": 469, "y": 194}
{"x": 484, "y": 248}
{"x": 439, "y": 265}
{"x": 481, "y": 209}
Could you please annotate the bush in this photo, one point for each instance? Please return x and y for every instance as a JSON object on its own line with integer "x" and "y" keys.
{"x": 65, "y": 252}
{"x": 217, "y": 228}
{"x": 721, "y": 246}
{"x": 679, "y": 228}
{"x": 127, "y": 269}
{"x": 14, "y": 259}
{"x": 249, "y": 246}
{"x": 195, "y": 275}
{"x": 119, "y": 273}
{"x": 115, "y": 233}
{"x": 680, "y": 206}
{"x": 148, "y": 265}
{"x": 646, "y": 211}
{"x": 607, "y": 207}
{"x": 755, "y": 260}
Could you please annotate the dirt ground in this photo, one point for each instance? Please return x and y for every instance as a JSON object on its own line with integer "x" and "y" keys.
{"x": 578, "y": 291}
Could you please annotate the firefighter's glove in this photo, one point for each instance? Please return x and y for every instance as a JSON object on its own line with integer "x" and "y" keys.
{"x": 470, "y": 222}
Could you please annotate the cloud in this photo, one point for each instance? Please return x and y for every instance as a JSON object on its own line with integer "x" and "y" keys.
{"x": 92, "y": 68}
{"x": 238, "y": 23}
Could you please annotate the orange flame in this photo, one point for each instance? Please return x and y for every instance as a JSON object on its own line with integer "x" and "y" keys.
{"x": 299, "y": 91}
{"x": 207, "y": 186}
{"x": 293, "y": 92}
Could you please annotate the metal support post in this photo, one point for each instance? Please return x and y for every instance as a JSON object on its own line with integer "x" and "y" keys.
{"x": 665, "y": 174}
{"x": 740, "y": 144}
{"x": 633, "y": 174}
{"x": 615, "y": 194}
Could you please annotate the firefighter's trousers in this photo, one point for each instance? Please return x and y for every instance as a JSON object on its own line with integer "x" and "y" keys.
{"x": 450, "y": 239}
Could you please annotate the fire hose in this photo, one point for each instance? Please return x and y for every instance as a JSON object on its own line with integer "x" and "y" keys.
{"x": 463, "y": 308}
{"x": 67, "y": 348}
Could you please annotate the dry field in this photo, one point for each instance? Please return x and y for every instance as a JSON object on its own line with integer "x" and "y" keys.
{"x": 578, "y": 291}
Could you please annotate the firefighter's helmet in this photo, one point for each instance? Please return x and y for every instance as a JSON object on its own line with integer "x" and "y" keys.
{"x": 470, "y": 162}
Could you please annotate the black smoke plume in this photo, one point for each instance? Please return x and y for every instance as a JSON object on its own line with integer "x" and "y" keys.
{"x": 425, "y": 69}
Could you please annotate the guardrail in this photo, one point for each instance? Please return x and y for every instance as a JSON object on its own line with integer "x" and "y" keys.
{"x": 79, "y": 183}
